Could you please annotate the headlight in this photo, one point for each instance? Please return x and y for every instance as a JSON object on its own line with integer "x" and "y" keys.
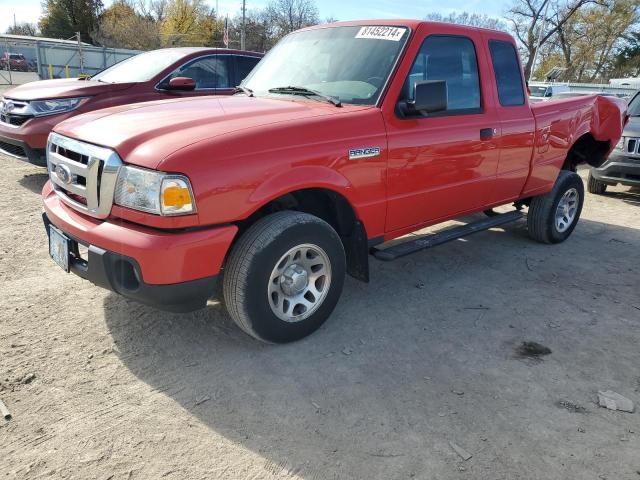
{"x": 620, "y": 145}
{"x": 154, "y": 192}
{"x": 41, "y": 108}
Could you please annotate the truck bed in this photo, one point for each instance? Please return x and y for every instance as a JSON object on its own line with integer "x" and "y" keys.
{"x": 560, "y": 123}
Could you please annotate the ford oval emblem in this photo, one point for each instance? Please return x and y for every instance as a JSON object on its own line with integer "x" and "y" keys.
{"x": 64, "y": 174}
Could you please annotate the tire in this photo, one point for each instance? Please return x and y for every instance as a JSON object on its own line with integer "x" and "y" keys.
{"x": 543, "y": 220}
{"x": 595, "y": 186}
{"x": 269, "y": 266}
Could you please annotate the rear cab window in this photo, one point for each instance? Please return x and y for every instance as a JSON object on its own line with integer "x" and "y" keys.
{"x": 506, "y": 68}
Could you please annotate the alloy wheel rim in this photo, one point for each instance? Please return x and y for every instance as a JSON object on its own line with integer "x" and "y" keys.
{"x": 299, "y": 283}
{"x": 567, "y": 210}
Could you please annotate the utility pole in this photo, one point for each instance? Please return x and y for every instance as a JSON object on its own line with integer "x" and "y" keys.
{"x": 540, "y": 33}
{"x": 242, "y": 30}
{"x": 14, "y": 21}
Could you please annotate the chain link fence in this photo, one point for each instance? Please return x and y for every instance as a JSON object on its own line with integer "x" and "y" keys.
{"x": 25, "y": 59}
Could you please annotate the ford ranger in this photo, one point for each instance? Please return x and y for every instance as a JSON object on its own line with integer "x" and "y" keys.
{"x": 343, "y": 137}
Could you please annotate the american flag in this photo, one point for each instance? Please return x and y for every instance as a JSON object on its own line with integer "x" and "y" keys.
{"x": 225, "y": 35}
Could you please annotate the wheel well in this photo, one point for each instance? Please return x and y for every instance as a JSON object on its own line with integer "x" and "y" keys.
{"x": 586, "y": 150}
{"x": 334, "y": 209}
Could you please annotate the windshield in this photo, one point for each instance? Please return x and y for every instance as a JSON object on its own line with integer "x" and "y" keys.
{"x": 140, "y": 68}
{"x": 634, "y": 106}
{"x": 350, "y": 64}
{"x": 538, "y": 91}
{"x": 14, "y": 56}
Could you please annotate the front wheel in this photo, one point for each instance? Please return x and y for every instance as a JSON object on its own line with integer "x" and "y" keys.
{"x": 553, "y": 216}
{"x": 595, "y": 186}
{"x": 284, "y": 276}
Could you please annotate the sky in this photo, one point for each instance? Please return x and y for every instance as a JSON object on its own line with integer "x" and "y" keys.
{"x": 29, "y": 10}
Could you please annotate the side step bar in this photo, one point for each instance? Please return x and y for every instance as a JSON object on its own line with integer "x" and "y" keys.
{"x": 422, "y": 243}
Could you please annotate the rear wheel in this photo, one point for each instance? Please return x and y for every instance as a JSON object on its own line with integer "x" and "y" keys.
{"x": 553, "y": 216}
{"x": 596, "y": 186}
{"x": 284, "y": 276}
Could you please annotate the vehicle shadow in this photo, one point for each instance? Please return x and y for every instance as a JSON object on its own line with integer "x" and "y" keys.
{"x": 34, "y": 182}
{"x": 631, "y": 196}
{"x": 421, "y": 356}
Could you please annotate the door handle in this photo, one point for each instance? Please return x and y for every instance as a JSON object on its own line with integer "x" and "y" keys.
{"x": 488, "y": 133}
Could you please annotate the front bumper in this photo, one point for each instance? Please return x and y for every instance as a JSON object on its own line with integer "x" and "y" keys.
{"x": 20, "y": 150}
{"x": 619, "y": 169}
{"x": 28, "y": 141}
{"x": 174, "y": 271}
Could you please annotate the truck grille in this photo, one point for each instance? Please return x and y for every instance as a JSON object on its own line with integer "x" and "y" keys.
{"x": 14, "y": 120}
{"x": 20, "y": 113}
{"x": 632, "y": 146}
{"x": 83, "y": 175}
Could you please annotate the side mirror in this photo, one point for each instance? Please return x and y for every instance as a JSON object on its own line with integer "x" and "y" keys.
{"x": 429, "y": 96}
{"x": 182, "y": 83}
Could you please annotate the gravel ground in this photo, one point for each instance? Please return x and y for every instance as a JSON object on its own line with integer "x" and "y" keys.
{"x": 426, "y": 354}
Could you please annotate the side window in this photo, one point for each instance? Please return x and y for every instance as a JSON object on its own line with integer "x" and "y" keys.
{"x": 507, "y": 70}
{"x": 244, "y": 66}
{"x": 208, "y": 72}
{"x": 453, "y": 59}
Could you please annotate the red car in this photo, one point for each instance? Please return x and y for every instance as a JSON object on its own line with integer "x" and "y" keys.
{"x": 345, "y": 136}
{"x": 14, "y": 61}
{"x": 29, "y": 112}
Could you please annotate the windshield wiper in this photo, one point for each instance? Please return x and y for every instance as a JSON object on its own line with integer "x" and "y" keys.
{"x": 292, "y": 90}
{"x": 240, "y": 89}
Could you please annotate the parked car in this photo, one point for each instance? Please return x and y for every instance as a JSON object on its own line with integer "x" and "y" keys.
{"x": 29, "y": 112}
{"x": 623, "y": 165}
{"x": 539, "y": 92}
{"x": 345, "y": 136}
{"x": 13, "y": 61}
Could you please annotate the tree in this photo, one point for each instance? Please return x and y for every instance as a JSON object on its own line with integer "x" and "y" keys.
{"x": 122, "y": 26}
{"x": 290, "y": 15}
{"x": 23, "y": 28}
{"x": 627, "y": 62}
{"x": 470, "y": 19}
{"x": 527, "y": 18}
{"x": 588, "y": 44}
{"x": 261, "y": 33}
{"x": 188, "y": 23}
{"x": 63, "y": 18}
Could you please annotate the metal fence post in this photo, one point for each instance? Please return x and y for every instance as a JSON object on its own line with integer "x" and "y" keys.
{"x": 38, "y": 61}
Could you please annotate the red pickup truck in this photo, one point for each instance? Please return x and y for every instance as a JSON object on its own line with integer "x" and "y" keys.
{"x": 345, "y": 136}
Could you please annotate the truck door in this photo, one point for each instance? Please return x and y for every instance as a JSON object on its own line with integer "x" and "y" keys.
{"x": 516, "y": 120}
{"x": 444, "y": 164}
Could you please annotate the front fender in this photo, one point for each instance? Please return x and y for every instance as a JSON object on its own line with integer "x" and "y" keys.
{"x": 300, "y": 178}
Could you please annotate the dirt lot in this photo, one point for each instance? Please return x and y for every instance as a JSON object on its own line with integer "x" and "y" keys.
{"x": 423, "y": 356}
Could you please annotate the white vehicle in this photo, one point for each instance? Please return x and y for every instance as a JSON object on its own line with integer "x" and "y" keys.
{"x": 540, "y": 92}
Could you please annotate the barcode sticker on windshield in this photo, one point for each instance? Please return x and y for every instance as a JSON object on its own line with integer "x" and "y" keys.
{"x": 382, "y": 33}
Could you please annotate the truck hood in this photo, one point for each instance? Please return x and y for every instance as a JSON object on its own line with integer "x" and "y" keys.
{"x": 63, "y": 88}
{"x": 146, "y": 133}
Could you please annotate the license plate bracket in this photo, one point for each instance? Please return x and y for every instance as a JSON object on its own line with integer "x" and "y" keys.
{"x": 59, "y": 248}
